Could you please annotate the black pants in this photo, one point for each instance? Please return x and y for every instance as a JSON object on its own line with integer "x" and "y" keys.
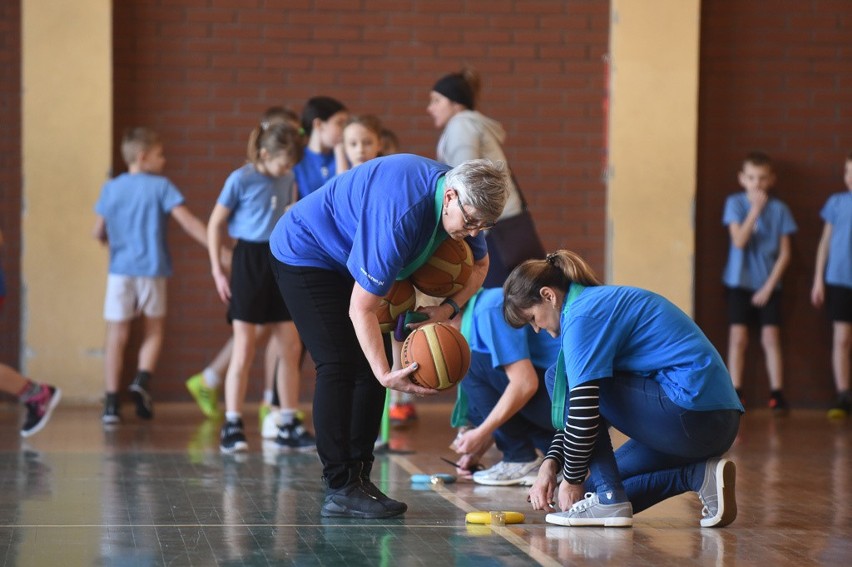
{"x": 348, "y": 400}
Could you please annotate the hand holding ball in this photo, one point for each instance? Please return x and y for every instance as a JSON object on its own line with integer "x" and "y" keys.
{"x": 442, "y": 354}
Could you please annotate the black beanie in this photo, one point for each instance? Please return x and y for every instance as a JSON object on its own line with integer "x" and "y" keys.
{"x": 455, "y": 88}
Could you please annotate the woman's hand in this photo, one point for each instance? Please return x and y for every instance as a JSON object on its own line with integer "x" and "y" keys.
{"x": 570, "y": 494}
{"x": 400, "y": 381}
{"x": 544, "y": 487}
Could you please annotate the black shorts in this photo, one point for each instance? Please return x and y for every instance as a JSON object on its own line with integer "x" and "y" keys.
{"x": 838, "y": 303}
{"x": 254, "y": 293}
{"x": 742, "y": 312}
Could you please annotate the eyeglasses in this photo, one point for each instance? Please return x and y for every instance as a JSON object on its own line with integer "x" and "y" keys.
{"x": 472, "y": 224}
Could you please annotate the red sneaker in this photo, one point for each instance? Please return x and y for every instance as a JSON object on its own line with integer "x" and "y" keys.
{"x": 402, "y": 414}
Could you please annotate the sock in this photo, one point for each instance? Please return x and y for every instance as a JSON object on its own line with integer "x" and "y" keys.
{"x": 267, "y": 397}
{"x": 233, "y": 416}
{"x": 286, "y": 416}
{"x": 739, "y": 392}
{"x": 112, "y": 399}
{"x": 406, "y": 398}
{"x": 142, "y": 378}
{"x": 777, "y": 394}
{"x": 211, "y": 378}
{"x": 29, "y": 390}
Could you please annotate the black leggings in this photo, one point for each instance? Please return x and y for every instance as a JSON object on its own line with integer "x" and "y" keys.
{"x": 348, "y": 400}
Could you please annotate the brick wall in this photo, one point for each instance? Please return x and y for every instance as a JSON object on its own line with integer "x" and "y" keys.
{"x": 10, "y": 176}
{"x": 774, "y": 76}
{"x": 202, "y": 71}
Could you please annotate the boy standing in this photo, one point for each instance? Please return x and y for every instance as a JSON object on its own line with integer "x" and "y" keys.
{"x": 760, "y": 228}
{"x": 133, "y": 211}
{"x": 833, "y": 286}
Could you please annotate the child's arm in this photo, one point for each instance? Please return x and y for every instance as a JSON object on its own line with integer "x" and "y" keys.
{"x": 216, "y": 224}
{"x": 190, "y": 224}
{"x": 99, "y": 230}
{"x": 762, "y": 295}
{"x": 818, "y": 289}
{"x": 741, "y": 232}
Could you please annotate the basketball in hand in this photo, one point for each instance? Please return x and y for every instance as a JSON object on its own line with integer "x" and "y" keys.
{"x": 446, "y": 271}
{"x": 398, "y": 300}
{"x": 442, "y": 354}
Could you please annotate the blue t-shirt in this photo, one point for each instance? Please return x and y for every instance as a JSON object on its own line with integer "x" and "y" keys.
{"x": 313, "y": 171}
{"x": 749, "y": 267}
{"x": 369, "y": 222}
{"x": 136, "y": 209}
{"x": 611, "y": 330}
{"x": 838, "y": 213}
{"x": 491, "y": 334}
{"x": 256, "y": 202}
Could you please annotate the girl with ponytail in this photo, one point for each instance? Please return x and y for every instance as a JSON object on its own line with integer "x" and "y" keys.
{"x": 632, "y": 360}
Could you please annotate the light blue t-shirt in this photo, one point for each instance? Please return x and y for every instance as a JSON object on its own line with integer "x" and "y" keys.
{"x": 369, "y": 222}
{"x": 749, "y": 267}
{"x": 491, "y": 334}
{"x": 256, "y": 202}
{"x": 136, "y": 209}
{"x": 313, "y": 171}
{"x": 838, "y": 213}
{"x": 611, "y": 330}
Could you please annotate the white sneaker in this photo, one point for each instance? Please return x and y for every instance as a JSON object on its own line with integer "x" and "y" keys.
{"x": 590, "y": 512}
{"x": 718, "y": 494}
{"x": 270, "y": 426}
{"x": 509, "y": 474}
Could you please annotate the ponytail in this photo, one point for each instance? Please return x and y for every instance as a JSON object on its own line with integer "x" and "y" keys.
{"x": 557, "y": 270}
{"x": 274, "y": 138}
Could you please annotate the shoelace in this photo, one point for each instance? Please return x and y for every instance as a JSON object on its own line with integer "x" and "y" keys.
{"x": 587, "y": 502}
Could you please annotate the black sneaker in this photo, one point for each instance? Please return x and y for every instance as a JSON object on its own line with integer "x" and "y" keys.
{"x": 233, "y": 438}
{"x": 294, "y": 437}
{"x": 39, "y": 408}
{"x": 355, "y": 501}
{"x": 111, "y": 416}
{"x": 144, "y": 404}
{"x": 778, "y": 404}
{"x": 389, "y": 503}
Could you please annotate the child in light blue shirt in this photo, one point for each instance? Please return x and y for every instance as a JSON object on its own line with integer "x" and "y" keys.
{"x": 760, "y": 227}
{"x": 833, "y": 286}
{"x": 132, "y": 218}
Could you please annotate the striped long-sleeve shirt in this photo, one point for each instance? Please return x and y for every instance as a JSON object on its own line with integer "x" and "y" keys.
{"x": 572, "y": 447}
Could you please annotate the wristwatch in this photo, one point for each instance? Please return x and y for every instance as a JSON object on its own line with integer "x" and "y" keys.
{"x": 449, "y": 301}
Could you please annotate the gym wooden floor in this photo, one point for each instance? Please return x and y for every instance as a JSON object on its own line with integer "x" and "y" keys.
{"x": 159, "y": 493}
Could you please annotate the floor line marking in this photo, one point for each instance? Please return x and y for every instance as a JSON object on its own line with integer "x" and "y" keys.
{"x": 539, "y": 556}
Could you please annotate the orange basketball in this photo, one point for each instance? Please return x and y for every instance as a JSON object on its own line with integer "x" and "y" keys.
{"x": 442, "y": 353}
{"x": 446, "y": 271}
{"x": 399, "y": 299}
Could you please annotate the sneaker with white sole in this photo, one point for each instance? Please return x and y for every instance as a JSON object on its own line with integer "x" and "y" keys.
{"x": 718, "y": 493}
{"x": 269, "y": 425}
{"x": 591, "y": 512}
{"x": 509, "y": 474}
{"x": 233, "y": 437}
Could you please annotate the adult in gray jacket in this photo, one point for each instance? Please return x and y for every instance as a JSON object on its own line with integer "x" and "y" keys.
{"x": 469, "y": 134}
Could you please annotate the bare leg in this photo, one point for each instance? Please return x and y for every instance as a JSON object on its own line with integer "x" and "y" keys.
{"x": 116, "y": 341}
{"x": 11, "y": 381}
{"x": 288, "y": 344}
{"x": 770, "y": 336}
{"x": 842, "y": 344}
{"x": 220, "y": 362}
{"x": 236, "y": 381}
{"x": 152, "y": 343}
{"x": 737, "y": 344}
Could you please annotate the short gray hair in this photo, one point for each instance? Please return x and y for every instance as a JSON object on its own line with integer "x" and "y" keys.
{"x": 482, "y": 184}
